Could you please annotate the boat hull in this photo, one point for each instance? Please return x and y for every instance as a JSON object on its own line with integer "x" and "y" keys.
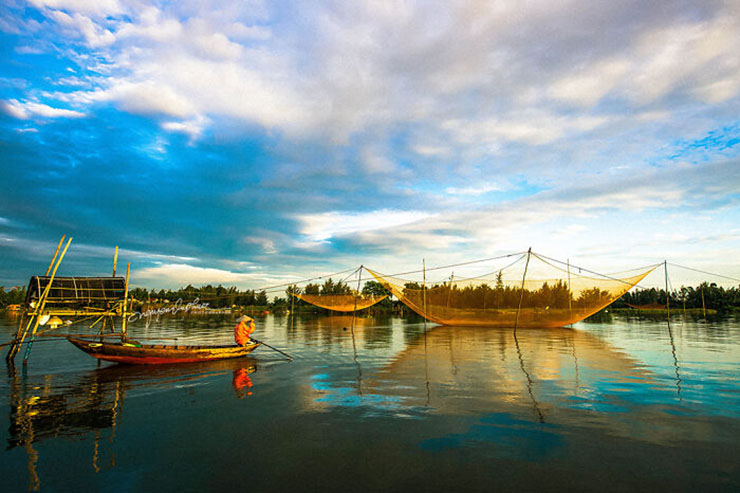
{"x": 156, "y": 354}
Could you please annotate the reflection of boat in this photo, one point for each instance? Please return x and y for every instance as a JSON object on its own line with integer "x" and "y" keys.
{"x": 85, "y": 405}
{"x": 152, "y": 354}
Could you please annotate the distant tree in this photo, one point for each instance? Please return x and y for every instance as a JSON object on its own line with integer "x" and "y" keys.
{"x": 374, "y": 288}
{"x": 331, "y": 287}
{"x": 262, "y": 298}
{"x": 311, "y": 289}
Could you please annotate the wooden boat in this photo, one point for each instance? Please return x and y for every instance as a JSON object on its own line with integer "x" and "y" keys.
{"x": 133, "y": 353}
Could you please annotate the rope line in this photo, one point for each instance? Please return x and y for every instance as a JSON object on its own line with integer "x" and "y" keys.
{"x": 542, "y": 257}
{"x": 276, "y": 288}
{"x": 704, "y": 272}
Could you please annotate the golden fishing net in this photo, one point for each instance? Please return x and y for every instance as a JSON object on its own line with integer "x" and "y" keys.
{"x": 341, "y": 302}
{"x": 550, "y": 295}
{"x": 649, "y": 306}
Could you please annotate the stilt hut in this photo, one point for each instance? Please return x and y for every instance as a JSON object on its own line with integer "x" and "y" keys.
{"x": 53, "y": 302}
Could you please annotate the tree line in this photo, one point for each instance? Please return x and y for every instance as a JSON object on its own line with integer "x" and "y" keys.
{"x": 331, "y": 287}
{"x": 216, "y": 296}
{"x": 714, "y": 297}
{"x": 554, "y": 295}
{"x": 482, "y": 296}
{"x": 13, "y": 296}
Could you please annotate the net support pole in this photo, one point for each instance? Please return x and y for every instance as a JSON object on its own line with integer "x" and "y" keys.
{"x": 354, "y": 308}
{"x": 667, "y": 293}
{"x": 521, "y": 294}
{"x": 449, "y": 293}
{"x": 424, "y": 291}
{"x": 357, "y": 293}
{"x": 704, "y": 308}
{"x": 42, "y": 302}
{"x": 292, "y": 302}
{"x": 115, "y": 261}
{"x": 570, "y": 297}
{"x": 22, "y": 333}
{"x": 124, "y": 313}
{"x": 53, "y": 259}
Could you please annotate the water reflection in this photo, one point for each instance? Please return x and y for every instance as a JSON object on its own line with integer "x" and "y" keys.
{"x": 241, "y": 382}
{"x": 59, "y": 406}
{"x": 386, "y": 394}
{"x": 459, "y": 370}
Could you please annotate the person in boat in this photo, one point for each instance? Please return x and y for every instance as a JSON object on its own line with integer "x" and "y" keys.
{"x": 243, "y": 330}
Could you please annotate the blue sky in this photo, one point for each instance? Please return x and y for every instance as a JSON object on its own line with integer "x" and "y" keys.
{"x": 252, "y": 143}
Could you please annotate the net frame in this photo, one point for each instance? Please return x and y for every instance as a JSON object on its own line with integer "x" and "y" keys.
{"x": 341, "y": 302}
{"x": 562, "y": 299}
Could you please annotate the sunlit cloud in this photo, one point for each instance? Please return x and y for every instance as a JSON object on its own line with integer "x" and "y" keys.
{"x": 475, "y": 190}
{"x": 182, "y": 274}
{"x": 324, "y": 226}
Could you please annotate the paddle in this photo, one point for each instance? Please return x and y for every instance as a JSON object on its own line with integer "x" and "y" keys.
{"x": 274, "y": 349}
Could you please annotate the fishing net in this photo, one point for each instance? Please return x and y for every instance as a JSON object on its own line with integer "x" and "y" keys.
{"x": 341, "y": 302}
{"x": 528, "y": 293}
{"x": 648, "y": 306}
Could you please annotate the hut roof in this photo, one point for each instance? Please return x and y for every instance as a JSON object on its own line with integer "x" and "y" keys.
{"x": 79, "y": 291}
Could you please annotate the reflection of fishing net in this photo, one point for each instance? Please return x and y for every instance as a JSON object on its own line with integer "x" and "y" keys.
{"x": 341, "y": 302}
{"x": 550, "y": 296}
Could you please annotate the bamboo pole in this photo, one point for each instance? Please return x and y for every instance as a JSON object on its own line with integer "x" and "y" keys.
{"x": 704, "y": 307}
{"x": 354, "y": 309}
{"x": 124, "y": 321}
{"x": 570, "y": 297}
{"x": 48, "y": 269}
{"x": 21, "y": 336}
{"x": 424, "y": 290}
{"x": 359, "y": 279}
{"x": 667, "y": 293}
{"x": 521, "y": 295}
{"x": 11, "y": 353}
{"x": 115, "y": 261}
{"x": 42, "y": 302}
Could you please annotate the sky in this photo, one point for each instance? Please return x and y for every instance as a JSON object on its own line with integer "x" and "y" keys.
{"x": 252, "y": 143}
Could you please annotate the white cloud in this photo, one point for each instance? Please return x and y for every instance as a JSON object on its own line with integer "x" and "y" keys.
{"x": 95, "y": 35}
{"x": 684, "y": 54}
{"x": 491, "y": 75}
{"x": 324, "y": 226}
{"x": 96, "y": 8}
{"x": 28, "y": 50}
{"x": 29, "y": 109}
{"x": 587, "y": 87}
{"x": 375, "y": 161}
{"x": 182, "y": 274}
{"x": 193, "y": 128}
{"x": 430, "y": 150}
{"x": 532, "y": 127}
{"x": 268, "y": 245}
{"x": 622, "y": 213}
{"x": 474, "y": 190}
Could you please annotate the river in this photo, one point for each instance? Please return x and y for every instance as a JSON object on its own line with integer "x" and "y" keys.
{"x": 384, "y": 404}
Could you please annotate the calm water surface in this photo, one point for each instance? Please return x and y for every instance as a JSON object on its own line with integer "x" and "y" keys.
{"x": 619, "y": 405}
